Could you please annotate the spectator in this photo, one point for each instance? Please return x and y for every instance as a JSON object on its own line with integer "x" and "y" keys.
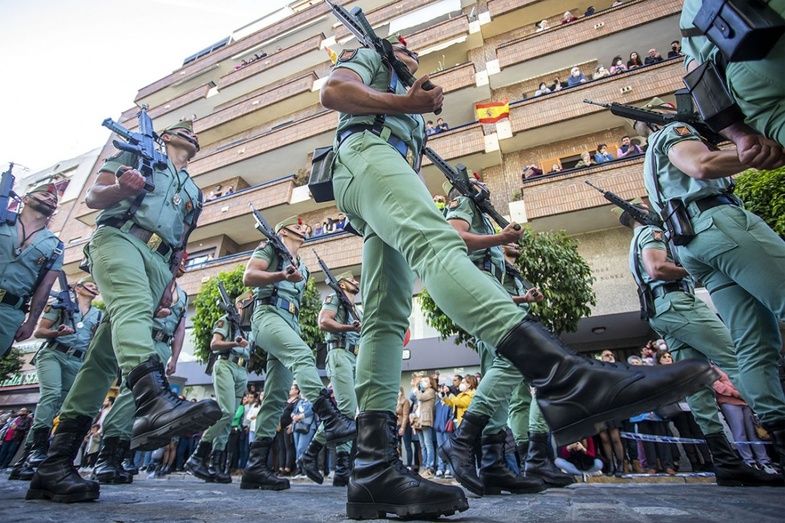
{"x": 14, "y": 433}
{"x": 340, "y": 224}
{"x": 303, "y": 424}
{"x": 540, "y": 26}
{"x": 440, "y": 202}
{"x": 105, "y": 408}
{"x": 211, "y": 196}
{"x": 653, "y": 57}
{"x": 568, "y": 18}
{"x": 610, "y": 438}
{"x": 600, "y": 72}
{"x": 675, "y": 49}
{"x": 329, "y": 226}
{"x": 602, "y": 155}
{"x": 589, "y": 11}
{"x": 555, "y": 168}
{"x": 648, "y": 352}
{"x": 617, "y": 65}
{"x": 634, "y": 61}
{"x": 284, "y": 439}
{"x": 92, "y": 444}
{"x": 558, "y": 85}
{"x": 308, "y": 231}
{"x": 576, "y": 77}
{"x": 628, "y": 149}
{"x": 542, "y": 89}
{"x": 441, "y": 125}
{"x": 460, "y": 402}
{"x": 455, "y": 388}
{"x": 443, "y": 425}
{"x": 585, "y": 161}
{"x": 650, "y": 423}
{"x": 429, "y": 128}
{"x": 250, "y": 416}
{"x": 426, "y": 400}
{"x": 531, "y": 171}
{"x": 403, "y": 409}
{"x": 229, "y": 190}
{"x": 318, "y": 230}
{"x": 579, "y": 458}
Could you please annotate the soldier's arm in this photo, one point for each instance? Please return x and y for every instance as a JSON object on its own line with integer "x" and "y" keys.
{"x": 109, "y": 189}
{"x": 37, "y": 304}
{"x": 44, "y": 329}
{"x": 475, "y": 242}
{"x": 658, "y": 267}
{"x": 754, "y": 149}
{"x": 221, "y": 344}
{"x": 696, "y": 160}
{"x": 327, "y": 322}
{"x": 257, "y": 275}
{"x": 177, "y": 346}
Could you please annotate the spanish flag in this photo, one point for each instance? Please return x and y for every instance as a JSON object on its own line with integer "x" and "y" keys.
{"x": 492, "y": 112}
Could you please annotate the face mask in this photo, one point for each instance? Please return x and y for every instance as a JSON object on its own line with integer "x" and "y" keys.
{"x": 423, "y": 384}
{"x": 462, "y": 387}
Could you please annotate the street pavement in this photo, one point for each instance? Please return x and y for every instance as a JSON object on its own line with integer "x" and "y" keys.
{"x": 182, "y": 498}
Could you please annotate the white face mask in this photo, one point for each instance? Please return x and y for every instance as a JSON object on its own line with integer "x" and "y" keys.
{"x": 424, "y": 383}
{"x": 462, "y": 387}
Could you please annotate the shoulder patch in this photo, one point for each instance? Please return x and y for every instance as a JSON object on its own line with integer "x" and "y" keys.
{"x": 219, "y": 324}
{"x": 658, "y": 235}
{"x": 682, "y": 130}
{"x": 347, "y": 54}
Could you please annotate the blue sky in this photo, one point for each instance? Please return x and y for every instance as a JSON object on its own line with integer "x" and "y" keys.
{"x": 69, "y": 64}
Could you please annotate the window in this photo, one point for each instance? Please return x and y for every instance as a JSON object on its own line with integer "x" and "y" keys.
{"x": 200, "y": 257}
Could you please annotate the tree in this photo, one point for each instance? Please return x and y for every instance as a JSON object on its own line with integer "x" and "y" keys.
{"x": 10, "y": 364}
{"x": 763, "y": 193}
{"x": 552, "y": 262}
{"x": 309, "y": 315}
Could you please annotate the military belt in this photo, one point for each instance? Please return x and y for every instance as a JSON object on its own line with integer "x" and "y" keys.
{"x": 351, "y": 348}
{"x": 159, "y": 335}
{"x": 487, "y": 266}
{"x": 396, "y": 143}
{"x": 234, "y": 358}
{"x": 65, "y": 349}
{"x": 704, "y": 204}
{"x": 667, "y": 288}
{"x": 280, "y": 303}
{"x": 9, "y": 298}
{"x": 153, "y": 240}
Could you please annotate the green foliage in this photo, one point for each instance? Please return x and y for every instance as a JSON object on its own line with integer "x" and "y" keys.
{"x": 763, "y": 193}
{"x": 10, "y": 364}
{"x": 551, "y": 262}
{"x": 99, "y": 304}
{"x": 309, "y": 315}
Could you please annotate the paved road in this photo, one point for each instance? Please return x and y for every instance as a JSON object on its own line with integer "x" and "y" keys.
{"x": 184, "y": 499}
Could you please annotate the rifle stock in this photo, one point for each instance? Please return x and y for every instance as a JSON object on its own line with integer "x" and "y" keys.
{"x": 646, "y": 218}
{"x": 264, "y": 227}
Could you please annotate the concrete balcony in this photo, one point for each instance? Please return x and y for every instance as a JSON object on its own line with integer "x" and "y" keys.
{"x": 599, "y": 37}
{"x": 380, "y": 17}
{"x": 193, "y": 102}
{"x": 462, "y": 86}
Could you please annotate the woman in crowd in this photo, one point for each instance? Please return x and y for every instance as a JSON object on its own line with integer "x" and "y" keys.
{"x": 443, "y": 425}
{"x": 600, "y": 72}
{"x": 585, "y": 161}
{"x": 542, "y": 89}
{"x": 579, "y": 458}
{"x": 568, "y": 17}
{"x": 617, "y": 65}
{"x": 250, "y": 417}
{"x": 303, "y": 426}
{"x": 610, "y": 438}
{"x": 461, "y": 401}
{"x": 425, "y": 392}
{"x": 650, "y": 423}
{"x": 634, "y": 61}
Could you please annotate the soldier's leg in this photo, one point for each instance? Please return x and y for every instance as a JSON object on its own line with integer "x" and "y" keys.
{"x": 276, "y": 390}
{"x": 342, "y": 364}
{"x": 702, "y": 403}
{"x": 499, "y": 379}
{"x": 11, "y": 319}
{"x": 223, "y": 381}
{"x": 521, "y": 405}
{"x": 49, "y": 365}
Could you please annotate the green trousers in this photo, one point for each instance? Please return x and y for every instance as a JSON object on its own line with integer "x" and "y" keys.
{"x": 499, "y": 379}
{"x": 120, "y": 420}
{"x": 11, "y": 319}
{"x": 525, "y": 414}
{"x": 742, "y": 263}
{"x": 132, "y": 279}
{"x": 56, "y": 373}
{"x": 230, "y": 382}
{"x": 289, "y": 358}
{"x": 341, "y": 368}
{"x": 405, "y": 235}
{"x": 692, "y": 330}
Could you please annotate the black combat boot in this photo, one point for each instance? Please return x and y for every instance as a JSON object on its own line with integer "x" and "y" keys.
{"x": 160, "y": 414}
{"x": 197, "y": 463}
{"x": 538, "y": 462}
{"x": 342, "y": 469}
{"x": 309, "y": 462}
{"x": 216, "y": 468}
{"x": 40, "y": 446}
{"x": 57, "y": 478}
{"x": 128, "y": 460}
{"x": 257, "y": 475}
{"x": 380, "y": 484}
{"x": 105, "y": 470}
{"x": 777, "y": 433}
{"x": 22, "y": 467}
{"x": 123, "y": 476}
{"x": 731, "y": 471}
{"x": 458, "y": 451}
{"x": 609, "y": 392}
{"x": 495, "y": 475}
{"x": 338, "y": 427}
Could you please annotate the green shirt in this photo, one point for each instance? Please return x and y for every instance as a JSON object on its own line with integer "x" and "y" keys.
{"x": 84, "y": 326}
{"x": 163, "y": 211}
{"x": 368, "y": 65}
{"x": 333, "y": 304}
{"x": 463, "y": 208}
{"x": 19, "y": 272}
{"x": 649, "y": 237}
{"x": 168, "y": 324}
{"x": 514, "y": 285}
{"x": 673, "y": 183}
{"x": 287, "y": 290}
{"x": 224, "y": 328}
{"x": 698, "y": 47}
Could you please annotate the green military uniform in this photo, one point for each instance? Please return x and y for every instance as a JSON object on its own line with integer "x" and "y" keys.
{"x": 739, "y": 259}
{"x": 758, "y": 86}
{"x": 342, "y": 350}
{"x": 132, "y": 276}
{"x": 19, "y": 272}
{"x": 276, "y": 330}
{"x": 688, "y": 326}
{"x": 230, "y": 379}
{"x": 120, "y": 420}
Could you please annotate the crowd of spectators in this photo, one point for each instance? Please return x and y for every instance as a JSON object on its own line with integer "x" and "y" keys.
{"x": 329, "y": 225}
{"x": 219, "y": 192}
{"x": 13, "y": 431}
{"x": 249, "y": 61}
{"x": 439, "y": 127}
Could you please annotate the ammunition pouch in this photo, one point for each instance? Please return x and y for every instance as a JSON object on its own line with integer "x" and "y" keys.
{"x": 711, "y": 97}
{"x": 320, "y": 182}
{"x": 677, "y": 222}
{"x": 742, "y": 29}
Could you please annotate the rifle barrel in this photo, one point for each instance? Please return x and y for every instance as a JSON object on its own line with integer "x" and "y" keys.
{"x": 592, "y": 102}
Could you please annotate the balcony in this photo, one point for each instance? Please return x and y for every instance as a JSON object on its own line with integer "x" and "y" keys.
{"x": 380, "y": 17}
{"x": 611, "y": 32}
{"x": 462, "y": 88}
{"x": 193, "y": 102}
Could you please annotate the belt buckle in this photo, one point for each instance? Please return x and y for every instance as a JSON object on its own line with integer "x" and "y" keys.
{"x": 154, "y": 242}
{"x": 292, "y": 308}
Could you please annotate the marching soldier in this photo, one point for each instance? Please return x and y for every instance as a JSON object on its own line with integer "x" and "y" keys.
{"x": 404, "y": 234}
{"x": 278, "y": 292}
{"x": 342, "y": 337}
{"x": 30, "y": 256}
{"x": 230, "y": 379}
{"x": 57, "y": 364}
{"x": 130, "y": 255}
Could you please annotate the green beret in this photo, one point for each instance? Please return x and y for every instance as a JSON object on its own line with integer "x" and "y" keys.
{"x": 658, "y": 103}
{"x": 291, "y": 220}
{"x": 49, "y": 187}
{"x": 86, "y": 279}
{"x": 348, "y": 276}
{"x": 188, "y": 125}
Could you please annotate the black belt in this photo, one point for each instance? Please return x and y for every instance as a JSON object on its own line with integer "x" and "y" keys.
{"x": 9, "y": 298}
{"x": 487, "y": 266}
{"x": 662, "y": 290}
{"x": 65, "y": 349}
{"x": 281, "y": 303}
{"x": 234, "y": 358}
{"x": 153, "y": 240}
{"x": 333, "y": 345}
{"x": 159, "y": 335}
{"x": 709, "y": 202}
{"x": 397, "y": 144}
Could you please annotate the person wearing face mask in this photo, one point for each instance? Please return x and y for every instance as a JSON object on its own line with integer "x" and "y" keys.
{"x": 460, "y": 401}
{"x": 426, "y": 399}
{"x": 576, "y": 77}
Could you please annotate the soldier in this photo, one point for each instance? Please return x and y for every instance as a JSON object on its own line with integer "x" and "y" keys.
{"x": 278, "y": 292}
{"x": 30, "y": 256}
{"x": 404, "y": 234}
{"x": 168, "y": 336}
{"x": 57, "y": 363}
{"x": 130, "y": 255}
{"x": 732, "y": 251}
{"x": 691, "y": 330}
{"x": 230, "y": 380}
{"x": 342, "y": 337}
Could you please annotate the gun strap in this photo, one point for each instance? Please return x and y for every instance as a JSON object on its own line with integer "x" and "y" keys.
{"x": 46, "y": 267}
{"x": 636, "y": 274}
{"x": 392, "y": 86}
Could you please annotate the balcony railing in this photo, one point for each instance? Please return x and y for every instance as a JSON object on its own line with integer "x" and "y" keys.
{"x": 200, "y": 93}
{"x": 500, "y": 7}
{"x": 455, "y": 78}
{"x": 457, "y": 142}
{"x": 438, "y": 33}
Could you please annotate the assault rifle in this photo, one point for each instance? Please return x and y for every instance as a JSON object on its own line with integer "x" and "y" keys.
{"x": 6, "y": 195}
{"x": 142, "y": 144}
{"x": 65, "y": 302}
{"x": 661, "y": 119}
{"x": 511, "y": 269}
{"x": 263, "y": 226}
{"x": 644, "y": 217}
{"x": 354, "y": 317}
{"x": 459, "y": 179}
{"x": 227, "y": 306}
{"x": 359, "y": 26}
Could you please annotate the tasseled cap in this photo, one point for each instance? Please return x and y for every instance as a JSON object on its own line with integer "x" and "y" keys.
{"x": 291, "y": 220}
{"x": 50, "y": 187}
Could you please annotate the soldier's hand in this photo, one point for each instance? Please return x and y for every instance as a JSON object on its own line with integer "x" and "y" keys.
{"x": 130, "y": 181}
{"x": 64, "y": 330}
{"x": 533, "y": 295}
{"x": 293, "y": 277}
{"x": 163, "y": 312}
{"x": 418, "y": 100}
{"x": 759, "y": 152}
{"x": 356, "y": 326}
{"x": 510, "y": 234}
{"x": 171, "y": 367}
{"x": 24, "y": 331}
{"x": 242, "y": 342}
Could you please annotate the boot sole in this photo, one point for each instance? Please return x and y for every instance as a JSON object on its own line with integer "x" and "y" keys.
{"x": 208, "y": 479}
{"x": 61, "y": 498}
{"x": 315, "y": 479}
{"x": 477, "y": 491}
{"x": 599, "y": 422}
{"x": 257, "y": 486}
{"x": 418, "y": 510}
{"x": 157, "y": 438}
